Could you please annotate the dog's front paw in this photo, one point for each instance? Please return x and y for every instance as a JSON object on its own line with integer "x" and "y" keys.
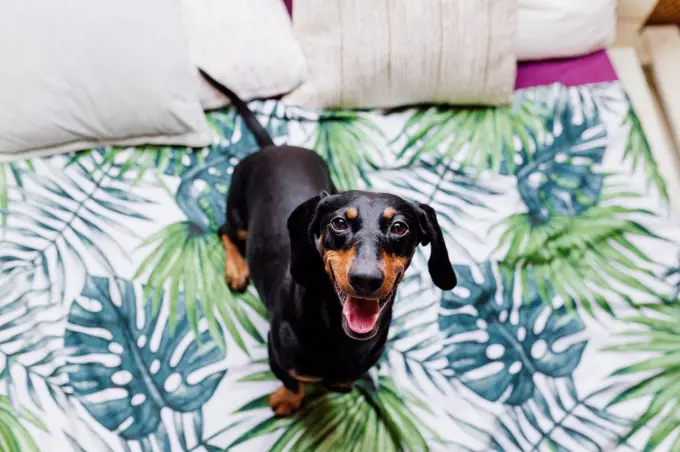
{"x": 285, "y": 402}
{"x": 236, "y": 273}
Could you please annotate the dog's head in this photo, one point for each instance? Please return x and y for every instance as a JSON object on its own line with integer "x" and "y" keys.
{"x": 364, "y": 242}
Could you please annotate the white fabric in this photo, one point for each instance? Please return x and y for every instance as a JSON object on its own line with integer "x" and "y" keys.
{"x": 247, "y": 45}
{"x": 77, "y": 74}
{"x": 563, "y": 28}
{"x": 382, "y": 53}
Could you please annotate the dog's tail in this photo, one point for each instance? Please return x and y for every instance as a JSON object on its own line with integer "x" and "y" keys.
{"x": 261, "y": 135}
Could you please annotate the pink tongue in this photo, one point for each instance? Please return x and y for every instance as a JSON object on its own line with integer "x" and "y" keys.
{"x": 361, "y": 314}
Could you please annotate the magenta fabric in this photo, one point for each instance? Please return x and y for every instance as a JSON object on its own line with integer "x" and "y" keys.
{"x": 593, "y": 68}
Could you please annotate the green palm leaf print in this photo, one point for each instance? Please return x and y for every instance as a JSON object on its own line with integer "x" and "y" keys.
{"x": 658, "y": 376}
{"x": 584, "y": 258}
{"x": 191, "y": 263}
{"x": 640, "y": 153}
{"x": 374, "y": 416}
{"x": 131, "y": 163}
{"x": 481, "y": 138}
{"x": 11, "y": 175}
{"x": 346, "y": 140}
{"x": 14, "y": 436}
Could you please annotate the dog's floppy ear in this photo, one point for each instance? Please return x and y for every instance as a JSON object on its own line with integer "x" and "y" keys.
{"x": 439, "y": 265}
{"x": 306, "y": 265}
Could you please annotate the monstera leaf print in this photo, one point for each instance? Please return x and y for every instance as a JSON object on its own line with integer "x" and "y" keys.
{"x": 202, "y": 192}
{"x": 557, "y": 178}
{"x": 586, "y": 102}
{"x": 573, "y": 234}
{"x": 516, "y": 350}
{"x": 125, "y": 364}
{"x": 481, "y": 138}
{"x": 347, "y": 141}
{"x": 60, "y": 223}
{"x": 65, "y": 224}
{"x": 657, "y": 376}
{"x": 374, "y": 416}
{"x": 205, "y": 178}
{"x": 515, "y": 340}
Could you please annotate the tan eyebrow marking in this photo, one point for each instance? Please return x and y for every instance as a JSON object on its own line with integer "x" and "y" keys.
{"x": 389, "y": 213}
{"x": 352, "y": 213}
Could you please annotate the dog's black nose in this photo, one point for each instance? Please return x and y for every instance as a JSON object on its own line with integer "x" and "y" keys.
{"x": 366, "y": 282}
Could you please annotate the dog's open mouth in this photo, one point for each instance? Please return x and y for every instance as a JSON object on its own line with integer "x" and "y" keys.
{"x": 360, "y": 315}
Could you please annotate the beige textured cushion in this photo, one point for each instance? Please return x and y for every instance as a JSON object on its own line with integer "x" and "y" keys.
{"x": 383, "y": 53}
{"x": 247, "y": 45}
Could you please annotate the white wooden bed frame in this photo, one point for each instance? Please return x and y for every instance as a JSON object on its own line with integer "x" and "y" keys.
{"x": 657, "y": 49}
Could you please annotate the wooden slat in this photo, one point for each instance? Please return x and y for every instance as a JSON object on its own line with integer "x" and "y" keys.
{"x": 636, "y": 11}
{"x": 663, "y": 43}
{"x": 631, "y": 17}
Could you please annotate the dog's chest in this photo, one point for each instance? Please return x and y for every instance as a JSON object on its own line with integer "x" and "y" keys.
{"x": 311, "y": 355}
{"x": 331, "y": 365}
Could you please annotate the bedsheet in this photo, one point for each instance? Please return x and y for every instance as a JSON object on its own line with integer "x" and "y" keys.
{"x": 117, "y": 332}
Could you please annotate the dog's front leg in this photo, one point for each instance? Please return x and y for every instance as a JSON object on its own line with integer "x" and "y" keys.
{"x": 286, "y": 401}
{"x": 288, "y": 398}
{"x": 236, "y": 271}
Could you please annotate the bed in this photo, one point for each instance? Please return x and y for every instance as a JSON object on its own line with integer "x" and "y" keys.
{"x": 117, "y": 332}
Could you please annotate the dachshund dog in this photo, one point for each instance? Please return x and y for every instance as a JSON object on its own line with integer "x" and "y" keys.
{"x": 325, "y": 264}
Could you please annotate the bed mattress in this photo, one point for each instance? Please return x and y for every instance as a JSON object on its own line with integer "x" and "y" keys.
{"x": 117, "y": 332}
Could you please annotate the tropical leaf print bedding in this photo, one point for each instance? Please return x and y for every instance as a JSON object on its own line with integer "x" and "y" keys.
{"x": 117, "y": 332}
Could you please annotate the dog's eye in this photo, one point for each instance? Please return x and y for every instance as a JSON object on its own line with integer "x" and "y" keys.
{"x": 339, "y": 224}
{"x": 399, "y": 229}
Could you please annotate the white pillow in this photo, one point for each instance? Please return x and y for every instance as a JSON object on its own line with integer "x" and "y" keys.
{"x": 247, "y": 45}
{"x": 78, "y": 74}
{"x": 563, "y": 28}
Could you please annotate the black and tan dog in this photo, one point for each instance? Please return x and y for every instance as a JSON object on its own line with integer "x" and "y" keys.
{"x": 326, "y": 264}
